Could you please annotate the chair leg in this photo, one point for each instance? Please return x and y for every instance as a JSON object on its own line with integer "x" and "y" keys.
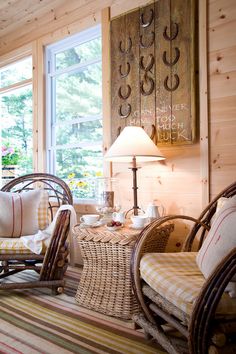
{"x": 5, "y": 266}
{"x": 57, "y": 290}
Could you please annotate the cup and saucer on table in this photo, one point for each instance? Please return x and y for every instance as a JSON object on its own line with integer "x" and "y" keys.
{"x": 138, "y": 222}
{"x": 90, "y": 220}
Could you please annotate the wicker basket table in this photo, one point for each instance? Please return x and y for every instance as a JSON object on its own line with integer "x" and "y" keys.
{"x": 105, "y": 284}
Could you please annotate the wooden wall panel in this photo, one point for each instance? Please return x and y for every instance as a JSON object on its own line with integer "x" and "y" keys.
{"x": 222, "y": 103}
{"x": 223, "y": 109}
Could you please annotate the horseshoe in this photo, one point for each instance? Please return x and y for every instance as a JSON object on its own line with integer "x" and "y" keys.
{"x": 153, "y": 132}
{"x": 150, "y": 42}
{"x": 152, "y": 85}
{"x": 146, "y": 24}
{"x": 171, "y": 63}
{"x": 149, "y": 65}
{"x": 118, "y": 131}
{"x": 122, "y": 115}
{"x": 124, "y": 96}
{"x": 123, "y": 50}
{"x": 172, "y": 35}
{"x": 124, "y": 74}
{"x": 175, "y": 86}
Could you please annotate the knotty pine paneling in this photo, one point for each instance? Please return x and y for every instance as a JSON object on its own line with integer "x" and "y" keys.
{"x": 222, "y": 102}
{"x": 222, "y": 61}
{"x": 223, "y": 109}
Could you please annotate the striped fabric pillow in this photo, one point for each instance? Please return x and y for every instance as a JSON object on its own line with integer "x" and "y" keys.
{"x": 19, "y": 213}
{"x": 220, "y": 240}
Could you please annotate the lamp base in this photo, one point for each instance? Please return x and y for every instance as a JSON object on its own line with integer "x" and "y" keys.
{"x": 136, "y": 211}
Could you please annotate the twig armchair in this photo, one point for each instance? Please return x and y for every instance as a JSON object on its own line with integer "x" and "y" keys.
{"x": 52, "y": 262}
{"x": 184, "y": 309}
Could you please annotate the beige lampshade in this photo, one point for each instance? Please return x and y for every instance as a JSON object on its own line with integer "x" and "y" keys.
{"x": 133, "y": 142}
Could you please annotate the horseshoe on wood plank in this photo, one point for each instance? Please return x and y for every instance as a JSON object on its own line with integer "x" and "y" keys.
{"x": 125, "y": 115}
{"x": 123, "y": 50}
{"x": 173, "y": 62}
{"x": 118, "y": 131}
{"x": 124, "y": 96}
{"x": 151, "y": 83}
{"x": 146, "y": 24}
{"x": 126, "y": 73}
{"x": 173, "y": 35}
{"x": 149, "y": 65}
{"x": 153, "y": 132}
{"x": 150, "y": 43}
{"x": 173, "y": 88}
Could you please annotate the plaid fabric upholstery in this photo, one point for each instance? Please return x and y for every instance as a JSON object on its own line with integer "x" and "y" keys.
{"x": 16, "y": 246}
{"x": 177, "y": 278}
{"x": 43, "y": 221}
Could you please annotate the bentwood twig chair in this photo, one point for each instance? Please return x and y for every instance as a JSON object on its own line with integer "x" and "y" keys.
{"x": 180, "y": 308}
{"x": 51, "y": 264}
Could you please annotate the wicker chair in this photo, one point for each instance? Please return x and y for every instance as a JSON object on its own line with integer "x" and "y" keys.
{"x": 52, "y": 264}
{"x": 203, "y": 330}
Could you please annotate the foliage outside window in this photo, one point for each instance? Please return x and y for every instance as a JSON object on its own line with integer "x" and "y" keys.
{"x": 16, "y": 115}
{"x": 74, "y": 111}
{"x": 10, "y": 155}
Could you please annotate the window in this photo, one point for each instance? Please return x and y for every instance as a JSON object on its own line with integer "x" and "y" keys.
{"x": 16, "y": 118}
{"x": 74, "y": 111}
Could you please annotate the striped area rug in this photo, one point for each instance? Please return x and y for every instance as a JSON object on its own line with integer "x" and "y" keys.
{"x": 33, "y": 321}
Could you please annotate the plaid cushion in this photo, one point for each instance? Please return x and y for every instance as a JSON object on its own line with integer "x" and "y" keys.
{"x": 16, "y": 246}
{"x": 177, "y": 278}
{"x": 43, "y": 221}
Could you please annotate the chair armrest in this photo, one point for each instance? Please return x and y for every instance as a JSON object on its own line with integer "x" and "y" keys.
{"x": 56, "y": 254}
{"x": 205, "y": 307}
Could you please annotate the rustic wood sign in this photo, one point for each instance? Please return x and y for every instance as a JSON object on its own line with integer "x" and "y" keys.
{"x": 153, "y": 71}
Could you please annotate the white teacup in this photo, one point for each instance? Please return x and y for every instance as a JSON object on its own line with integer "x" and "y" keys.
{"x": 139, "y": 221}
{"x": 90, "y": 219}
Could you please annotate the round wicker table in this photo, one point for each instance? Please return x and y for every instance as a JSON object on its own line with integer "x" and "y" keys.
{"x": 105, "y": 284}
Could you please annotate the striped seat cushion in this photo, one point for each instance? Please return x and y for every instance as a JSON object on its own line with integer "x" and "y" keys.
{"x": 177, "y": 278}
{"x": 16, "y": 246}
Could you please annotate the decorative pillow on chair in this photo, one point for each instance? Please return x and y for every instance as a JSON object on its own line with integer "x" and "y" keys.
{"x": 220, "y": 240}
{"x": 19, "y": 213}
{"x": 43, "y": 220}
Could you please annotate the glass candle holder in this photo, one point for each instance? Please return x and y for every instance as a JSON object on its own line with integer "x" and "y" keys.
{"x": 108, "y": 200}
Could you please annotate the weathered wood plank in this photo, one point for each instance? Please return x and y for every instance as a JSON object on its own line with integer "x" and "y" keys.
{"x": 119, "y": 64}
{"x": 163, "y": 97}
{"x": 184, "y": 95}
{"x": 147, "y": 70}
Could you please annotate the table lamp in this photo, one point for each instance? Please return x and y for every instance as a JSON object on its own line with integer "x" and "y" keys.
{"x": 133, "y": 145}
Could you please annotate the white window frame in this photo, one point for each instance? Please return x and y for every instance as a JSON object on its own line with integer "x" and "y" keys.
{"x": 51, "y": 74}
{"x": 15, "y": 86}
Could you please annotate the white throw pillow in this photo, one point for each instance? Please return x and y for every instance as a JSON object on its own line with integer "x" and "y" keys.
{"x": 19, "y": 213}
{"x": 220, "y": 240}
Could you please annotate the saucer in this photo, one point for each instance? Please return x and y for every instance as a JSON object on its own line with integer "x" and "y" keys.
{"x": 95, "y": 224}
{"x": 114, "y": 228}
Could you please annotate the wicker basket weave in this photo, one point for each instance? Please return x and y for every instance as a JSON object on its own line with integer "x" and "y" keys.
{"x": 105, "y": 284}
